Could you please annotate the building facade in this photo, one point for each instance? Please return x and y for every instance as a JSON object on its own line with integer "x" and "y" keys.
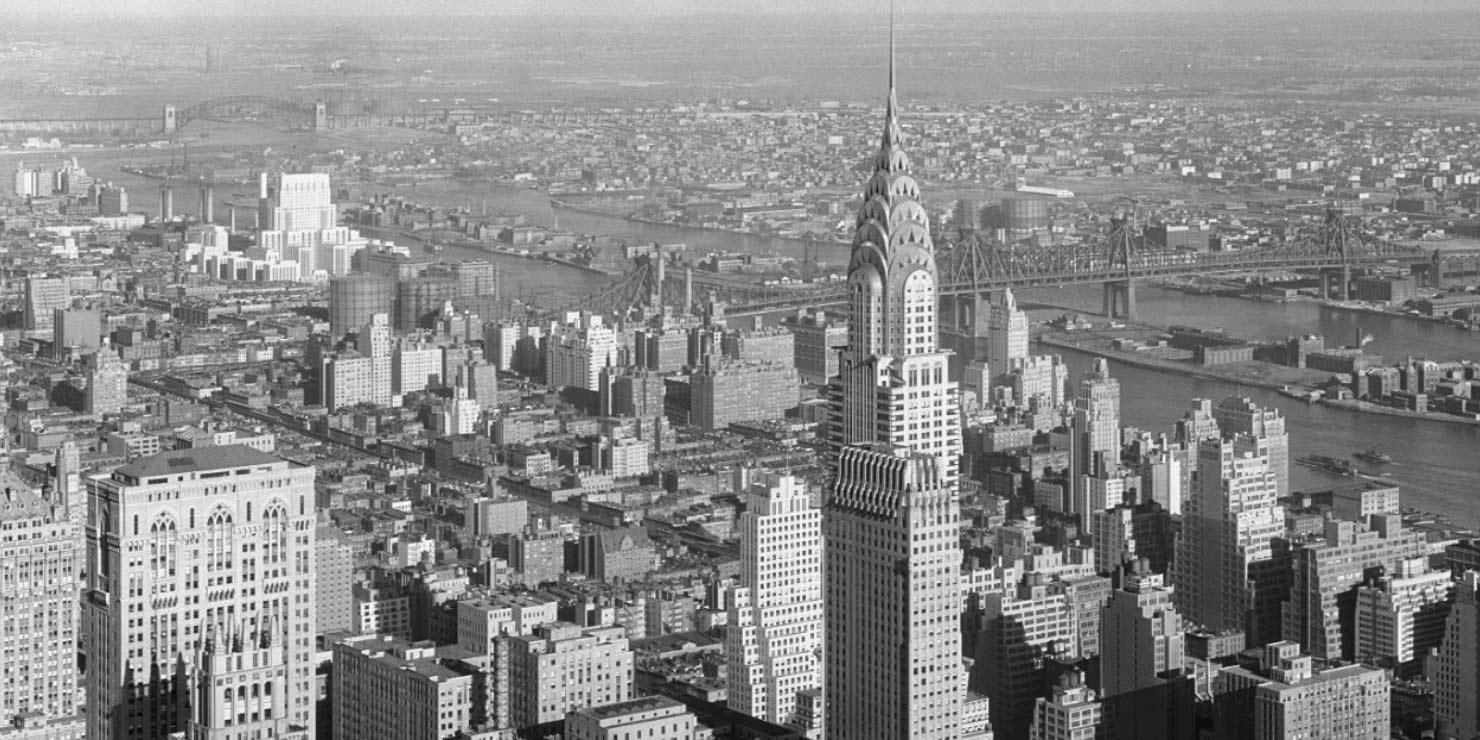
{"x": 182, "y": 543}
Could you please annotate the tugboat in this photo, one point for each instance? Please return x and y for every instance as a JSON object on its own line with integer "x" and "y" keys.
{"x": 1372, "y": 455}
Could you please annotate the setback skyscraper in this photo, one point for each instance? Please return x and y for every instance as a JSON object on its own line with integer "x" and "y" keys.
{"x": 892, "y": 517}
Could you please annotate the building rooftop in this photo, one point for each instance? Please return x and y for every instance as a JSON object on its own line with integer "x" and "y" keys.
{"x": 197, "y": 460}
{"x": 631, "y": 706}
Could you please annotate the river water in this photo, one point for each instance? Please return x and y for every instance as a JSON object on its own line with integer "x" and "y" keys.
{"x": 1436, "y": 464}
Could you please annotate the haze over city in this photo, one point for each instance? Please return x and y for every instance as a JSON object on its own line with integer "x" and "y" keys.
{"x": 690, "y": 370}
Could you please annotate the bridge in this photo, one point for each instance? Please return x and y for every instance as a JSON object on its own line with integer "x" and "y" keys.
{"x": 971, "y": 266}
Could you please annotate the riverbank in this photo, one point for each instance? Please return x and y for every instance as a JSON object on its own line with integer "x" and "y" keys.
{"x": 629, "y": 218}
{"x": 1368, "y": 407}
{"x": 1269, "y": 376}
{"x": 1097, "y": 347}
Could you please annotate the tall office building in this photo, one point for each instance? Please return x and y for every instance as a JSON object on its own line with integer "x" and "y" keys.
{"x": 774, "y": 637}
{"x": 1229, "y": 524}
{"x": 1455, "y": 670}
{"x": 1094, "y": 433}
{"x": 891, "y": 520}
{"x": 41, "y": 554}
{"x": 183, "y": 545}
{"x": 354, "y": 299}
{"x": 1007, "y": 335}
{"x": 1400, "y": 617}
{"x": 107, "y": 384}
{"x": 1294, "y": 700}
{"x": 43, "y": 296}
{"x": 1237, "y": 415}
{"x": 725, "y": 392}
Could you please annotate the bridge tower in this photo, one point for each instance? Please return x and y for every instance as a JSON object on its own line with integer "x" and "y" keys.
{"x": 1340, "y": 240}
{"x": 1436, "y": 270}
{"x": 169, "y": 119}
{"x": 1120, "y": 295}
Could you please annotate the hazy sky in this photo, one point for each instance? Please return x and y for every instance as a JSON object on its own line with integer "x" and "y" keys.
{"x": 157, "y": 8}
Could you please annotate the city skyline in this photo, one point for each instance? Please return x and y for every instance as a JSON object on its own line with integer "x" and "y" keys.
{"x": 624, "y": 371}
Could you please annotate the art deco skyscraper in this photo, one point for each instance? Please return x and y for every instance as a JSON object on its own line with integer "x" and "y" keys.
{"x": 182, "y": 546}
{"x": 1007, "y": 335}
{"x": 891, "y": 518}
{"x": 1094, "y": 433}
{"x": 774, "y": 637}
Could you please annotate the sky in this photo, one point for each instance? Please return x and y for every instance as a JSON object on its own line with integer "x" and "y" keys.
{"x": 257, "y": 8}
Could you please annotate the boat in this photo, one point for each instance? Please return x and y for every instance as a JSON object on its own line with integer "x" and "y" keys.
{"x": 1372, "y": 455}
{"x": 1330, "y": 465}
{"x": 1309, "y": 395}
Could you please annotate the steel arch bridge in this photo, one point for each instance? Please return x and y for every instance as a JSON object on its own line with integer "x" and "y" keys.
{"x": 233, "y": 102}
{"x": 972, "y": 265}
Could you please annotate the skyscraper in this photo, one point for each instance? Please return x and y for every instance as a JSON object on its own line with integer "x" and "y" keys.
{"x": 181, "y": 546}
{"x": 1007, "y": 335}
{"x": 891, "y": 519}
{"x": 774, "y": 636}
{"x": 1237, "y": 415}
{"x": 1141, "y": 639}
{"x": 1455, "y": 671}
{"x": 41, "y": 554}
{"x": 1094, "y": 432}
{"x": 1230, "y": 522}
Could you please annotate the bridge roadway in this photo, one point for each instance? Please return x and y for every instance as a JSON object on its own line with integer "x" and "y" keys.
{"x": 1149, "y": 266}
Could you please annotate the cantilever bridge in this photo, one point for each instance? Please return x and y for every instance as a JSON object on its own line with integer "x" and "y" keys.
{"x": 971, "y": 266}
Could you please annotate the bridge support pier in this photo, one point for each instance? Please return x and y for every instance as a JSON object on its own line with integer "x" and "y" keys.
{"x": 1120, "y": 299}
{"x": 1343, "y": 279}
{"x": 1436, "y": 271}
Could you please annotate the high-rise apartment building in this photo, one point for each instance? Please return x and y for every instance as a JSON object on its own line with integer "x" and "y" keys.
{"x": 107, "y": 384}
{"x": 1293, "y": 700}
{"x": 891, "y": 520}
{"x": 734, "y": 391}
{"x": 1141, "y": 648}
{"x": 43, "y": 296}
{"x": 385, "y": 688}
{"x": 347, "y": 379}
{"x": 182, "y": 544}
{"x": 375, "y": 342}
{"x": 578, "y": 350}
{"x": 1229, "y": 524}
{"x": 41, "y": 555}
{"x": 298, "y": 223}
{"x": 773, "y": 639}
{"x": 562, "y": 667}
{"x": 1320, "y": 613}
{"x": 1236, "y": 415}
{"x": 816, "y": 341}
{"x": 1400, "y": 617}
{"x": 335, "y": 566}
{"x": 1072, "y": 713}
{"x": 1455, "y": 670}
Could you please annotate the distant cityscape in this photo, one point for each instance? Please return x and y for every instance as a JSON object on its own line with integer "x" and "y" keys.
{"x": 320, "y": 425}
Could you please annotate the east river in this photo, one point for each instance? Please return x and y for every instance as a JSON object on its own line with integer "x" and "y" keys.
{"x": 1436, "y": 464}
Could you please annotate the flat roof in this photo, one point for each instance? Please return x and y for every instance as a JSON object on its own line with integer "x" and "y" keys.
{"x": 175, "y": 462}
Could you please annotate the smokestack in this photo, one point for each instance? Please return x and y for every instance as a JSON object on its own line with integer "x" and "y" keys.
{"x": 688, "y": 289}
{"x": 207, "y": 204}
{"x": 262, "y": 186}
{"x": 232, "y": 228}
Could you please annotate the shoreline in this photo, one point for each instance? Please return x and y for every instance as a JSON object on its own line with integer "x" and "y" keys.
{"x": 1167, "y": 366}
{"x": 804, "y": 243}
